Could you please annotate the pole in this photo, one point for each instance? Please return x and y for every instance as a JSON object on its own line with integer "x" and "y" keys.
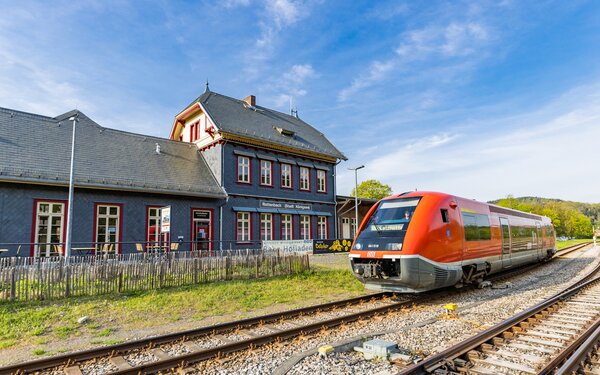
{"x": 71, "y": 192}
{"x": 356, "y": 197}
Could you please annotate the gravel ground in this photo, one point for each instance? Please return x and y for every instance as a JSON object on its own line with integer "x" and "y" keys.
{"x": 418, "y": 330}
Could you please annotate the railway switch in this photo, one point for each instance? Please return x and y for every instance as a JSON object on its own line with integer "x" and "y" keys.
{"x": 377, "y": 349}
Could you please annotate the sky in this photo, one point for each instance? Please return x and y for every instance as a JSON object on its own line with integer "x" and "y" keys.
{"x": 482, "y": 99}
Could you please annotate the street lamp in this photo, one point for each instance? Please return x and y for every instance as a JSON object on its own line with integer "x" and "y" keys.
{"x": 356, "y": 197}
{"x": 71, "y": 188}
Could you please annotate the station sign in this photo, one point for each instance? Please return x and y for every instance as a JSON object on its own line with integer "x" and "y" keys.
{"x": 286, "y": 205}
{"x": 288, "y": 247}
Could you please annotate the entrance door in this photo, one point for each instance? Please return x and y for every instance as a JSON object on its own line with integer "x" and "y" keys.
{"x": 506, "y": 259}
{"x": 201, "y": 231}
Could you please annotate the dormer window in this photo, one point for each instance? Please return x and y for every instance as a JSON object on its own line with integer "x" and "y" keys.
{"x": 286, "y": 132}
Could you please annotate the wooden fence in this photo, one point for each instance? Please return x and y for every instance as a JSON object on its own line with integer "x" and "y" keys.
{"x": 51, "y": 278}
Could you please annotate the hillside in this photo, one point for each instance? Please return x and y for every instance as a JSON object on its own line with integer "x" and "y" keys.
{"x": 571, "y": 219}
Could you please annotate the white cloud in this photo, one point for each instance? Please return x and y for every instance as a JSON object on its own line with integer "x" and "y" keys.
{"x": 376, "y": 72}
{"x": 299, "y": 73}
{"x": 545, "y": 152}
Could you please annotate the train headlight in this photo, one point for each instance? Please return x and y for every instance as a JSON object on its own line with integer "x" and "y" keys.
{"x": 395, "y": 246}
{"x": 358, "y": 246}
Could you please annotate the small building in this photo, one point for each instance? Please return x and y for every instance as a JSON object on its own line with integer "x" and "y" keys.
{"x": 233, "y": 173}
{"x": 346, "y": 214}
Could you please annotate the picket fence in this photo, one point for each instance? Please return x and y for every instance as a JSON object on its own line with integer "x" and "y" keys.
{"x": 52, "y": 278}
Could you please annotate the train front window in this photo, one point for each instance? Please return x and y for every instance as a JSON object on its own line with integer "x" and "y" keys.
{"x": 387, "y": 226}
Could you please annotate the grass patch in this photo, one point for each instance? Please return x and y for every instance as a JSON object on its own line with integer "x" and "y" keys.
{"x": 105, "y": 332}
{"x": 23, "y": 321}
{"x": 39, "y": 351}
{"x": 562, "y": 244}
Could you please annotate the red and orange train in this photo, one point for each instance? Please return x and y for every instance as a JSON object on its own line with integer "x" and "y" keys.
{"x": 418, "y": 241}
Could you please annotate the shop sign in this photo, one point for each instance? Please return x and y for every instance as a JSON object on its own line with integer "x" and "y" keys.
{"x": 288, "y": 247}
{"x": 202, "y": 215}
{"x": 165, "y": 219}
{"x": 332, "y": 246}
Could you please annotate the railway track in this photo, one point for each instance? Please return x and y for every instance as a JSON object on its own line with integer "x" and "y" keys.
{"x": 536, "y": 341}
{"x": 571, "y": 249}
{"x": 178, "y": 350}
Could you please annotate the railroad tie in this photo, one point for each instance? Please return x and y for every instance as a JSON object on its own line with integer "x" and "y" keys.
{"x": 160, "y": 354}
{"x": 121, "y": 363}
{"x": 192, "y": 346}
{"x": 73, "y": 370}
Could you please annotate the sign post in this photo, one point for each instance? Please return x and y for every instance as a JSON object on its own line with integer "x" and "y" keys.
{"x": 165, "y": 223}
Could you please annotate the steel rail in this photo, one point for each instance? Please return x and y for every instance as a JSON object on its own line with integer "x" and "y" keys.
{"x": 570, "y": 249}
{"x": 103, "y": 351}
{"x": 429, "y": 365}
{"x": 576, "y": 362}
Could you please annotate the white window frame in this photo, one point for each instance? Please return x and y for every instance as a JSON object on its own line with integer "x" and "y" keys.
{"x": 266, "y": 226}
{"x": 321, "y": 227}
{"x": 245, "y": 234}
{"x": 287, "y": 227}
{"x": 305, "y": 227}
{"x": 266, "y": 173}
{"x": 46, "y": 249}
{"x": 286, "y": 175}
{"x": 108, "y": 216}
{"x": 151, "y": 241}
{"x": 243, "y": 169}
{"x": 304, "y": 178}
{"x": 321, "y": 181}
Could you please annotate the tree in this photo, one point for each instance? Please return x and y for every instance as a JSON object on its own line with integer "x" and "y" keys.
{"x": 372, "y": 189}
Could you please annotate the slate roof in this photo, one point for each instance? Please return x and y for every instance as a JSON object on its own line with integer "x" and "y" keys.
{"x": 233, "y": 116}
{"x": 37, "y": 149}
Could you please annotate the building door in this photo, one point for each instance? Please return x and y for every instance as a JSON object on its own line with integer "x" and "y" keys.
{"x": 49, "y": 229}
{"x": 506, "y": 256}
{"x": 201, "y": 230}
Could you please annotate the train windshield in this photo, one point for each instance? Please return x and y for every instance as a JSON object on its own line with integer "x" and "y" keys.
{"x": 388, "y": 224}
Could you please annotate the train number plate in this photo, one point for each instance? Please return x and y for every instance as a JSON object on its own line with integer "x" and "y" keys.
{"x": 370, "y": 254}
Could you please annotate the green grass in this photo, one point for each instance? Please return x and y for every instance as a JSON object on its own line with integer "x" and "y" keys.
{"x": 562, "y": 244}
{"x": 39, "y": 351}
{"x": 22, "y": 322}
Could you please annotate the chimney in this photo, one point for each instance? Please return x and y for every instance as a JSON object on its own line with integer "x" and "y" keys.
{"x": 250, "y": 100}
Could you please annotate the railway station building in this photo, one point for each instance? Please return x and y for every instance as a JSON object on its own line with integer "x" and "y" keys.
{"x": 232, "y": 172}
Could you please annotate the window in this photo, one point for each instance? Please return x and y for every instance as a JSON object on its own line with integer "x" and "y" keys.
{"x": 266, "y": 173}
{"x": 107, "y": 225}
{"x": 243, "y": 226}
{"x": 266, "y": 227}
{"x": 304, "y": 178}
{"x": 348, "y": 227}
{"x": 321, "y": 182}
{"x": 243, "y": 169}
{"x": 153, "y": 225}
{"x": 477, "y": 227}
{"x": 286, "y": 176}
{"x": 445, "y": 217}
{"x": 50, "y": 217}
{"x": 286, "y": 227}
{"x": 322, "y": 227}
{"x": 304, "y": 227}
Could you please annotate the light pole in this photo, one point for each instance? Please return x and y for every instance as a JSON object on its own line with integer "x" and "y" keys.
{"x": 356, "y": 197}
{"x": 71, "y": 191}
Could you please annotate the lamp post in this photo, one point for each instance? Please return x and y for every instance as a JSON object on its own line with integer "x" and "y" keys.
{"x": 356, "y": 197}
{"x": 71, "y": 192}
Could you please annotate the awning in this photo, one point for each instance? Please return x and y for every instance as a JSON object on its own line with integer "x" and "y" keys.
{"x": 244, "y": 209}
{"x": 272, "y": 210}
{"x": 293, "y": 212}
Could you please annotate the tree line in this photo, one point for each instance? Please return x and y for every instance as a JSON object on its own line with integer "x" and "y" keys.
{"x": 570, "y": 219}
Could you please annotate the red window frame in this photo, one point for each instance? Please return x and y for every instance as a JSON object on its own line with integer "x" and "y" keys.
{"x": 307, "y": 178}
{"x": 324, "y": 181}
{"x": 291, "y": 226}
{"x": 34, "y": 220}
{"x": 262, "y": 237}
{"x": 238, "y": 240}
{"x": 237, "y": 171}
{"x": 291, "y": 176}
{"x": 309, "y": 227}
{"x": 270, "y": 172}
{"x": 95, "y": 224}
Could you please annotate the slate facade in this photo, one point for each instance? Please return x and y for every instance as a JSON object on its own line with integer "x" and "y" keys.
{"x": 122, "y": 179}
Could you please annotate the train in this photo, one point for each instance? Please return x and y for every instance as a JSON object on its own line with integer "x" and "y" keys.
{"x": 419, "y": 241}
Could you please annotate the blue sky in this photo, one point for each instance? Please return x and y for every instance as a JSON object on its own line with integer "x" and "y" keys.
{"x": 479, "y": 99}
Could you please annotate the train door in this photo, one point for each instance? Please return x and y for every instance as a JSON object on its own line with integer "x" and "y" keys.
{"x": 506, "y": 258}
{"x": 539, "y": 243}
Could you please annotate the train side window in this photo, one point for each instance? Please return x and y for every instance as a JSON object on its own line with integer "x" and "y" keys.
{"x": 471, "y": 231}
{"x": 483, "y": 222}
{"x": 445, "y": 217}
